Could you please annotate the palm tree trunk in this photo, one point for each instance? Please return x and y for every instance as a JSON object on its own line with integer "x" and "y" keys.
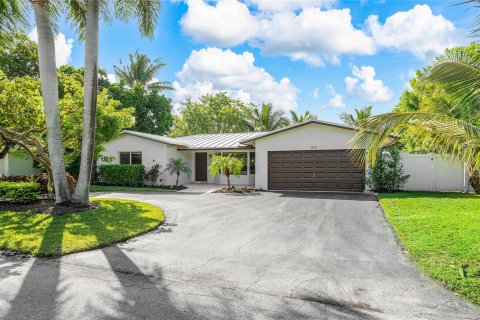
{"x": 49, "y": 85}
{"x": 178, "y": 176}
{"x": 228, "y": 181}
{"x": 90, "y": 103}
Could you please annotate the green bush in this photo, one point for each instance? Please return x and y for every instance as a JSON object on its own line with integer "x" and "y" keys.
{"x": 387, "y": 174}
{"x": 20, "y": 192}
{"x": 122, "y": 174}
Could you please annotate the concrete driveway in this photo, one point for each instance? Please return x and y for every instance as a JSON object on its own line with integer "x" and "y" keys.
{"x": 265, "y": 256}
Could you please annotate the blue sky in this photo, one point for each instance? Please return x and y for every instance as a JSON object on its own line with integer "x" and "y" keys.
{"x": 325, "y": 56}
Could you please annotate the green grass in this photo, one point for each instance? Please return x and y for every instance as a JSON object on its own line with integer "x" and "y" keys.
{"x": 44, "y": 235}
{"x": 441, "y": 232}
{"x": 97, "y": 188}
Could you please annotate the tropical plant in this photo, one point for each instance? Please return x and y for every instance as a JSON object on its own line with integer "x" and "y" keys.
{"x": 226, "y": 165}
{"x": 387, "y": 174}
{"x": 142, "y": 71}
{"x": 361, "y": 114}
{"x": 213, "y": 113}
{"x": 298, "y": 118}
{"x": 453, "y": 130}
{"x": 265, "y": 118}
{"x": 178, "y": 166}
{"x": 153, "y": 174}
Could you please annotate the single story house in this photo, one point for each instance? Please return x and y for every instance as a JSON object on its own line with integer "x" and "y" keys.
{"x": 312, "y": 155}
{"x": 18, "y": 163}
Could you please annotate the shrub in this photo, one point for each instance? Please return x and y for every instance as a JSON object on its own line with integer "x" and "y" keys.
{"x": 41, "y": 179}
{"x": 122, "y": 174}
{"x": 387, "y": 174}
{"x": 153, "y": 174}
{"x": 20, "y": 192}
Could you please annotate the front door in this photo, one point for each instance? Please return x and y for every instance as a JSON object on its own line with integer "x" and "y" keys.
{"x": 200, "y": 166}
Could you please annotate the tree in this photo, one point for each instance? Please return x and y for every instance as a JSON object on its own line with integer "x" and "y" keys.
{"x": 142, "y": 71}
{"x": 298, "y": 118}
{"x": 153, "y": 112}
{"x": 452, "y": 128}
{"x": 264, "y": 118}
{"x": 361, "y": 114}
{"x": 12, "y": 16}
{"x": 178, "y": 166}
{"x": 213, "y": 113}
{"x": 226, "y": 165}
{"x": 19, "y": 56}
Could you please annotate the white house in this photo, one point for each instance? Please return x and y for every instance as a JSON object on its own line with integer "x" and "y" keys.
{"x": 312, "y": 155}
{"x": 18, "y": 164}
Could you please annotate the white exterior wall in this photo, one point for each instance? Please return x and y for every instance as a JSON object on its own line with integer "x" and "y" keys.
{"x": 431, "y": 172}
{"x": 20, "y": 165}
{"x": 312, "y": 136}
{"x": 152, "y": 152}
{"x": 243, "y": 180}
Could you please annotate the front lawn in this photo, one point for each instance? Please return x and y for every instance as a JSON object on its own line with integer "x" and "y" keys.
{"x": 46, "y": 235}
{"x": 99, "y": 188}
{"x": 441, "y": 232}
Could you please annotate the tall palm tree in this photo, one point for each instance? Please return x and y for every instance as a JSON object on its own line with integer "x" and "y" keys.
{"x": 141, "y": 70}
{"x": 454, "y": 131}
{"x": 43, "y": 10}
{"x": 177, "y": 167}
{"x": 86, "y": 17}
{"x": 361, "y": 114}
{"x": 298, "y": 118}
{"x": 266, "y": 119}
{"x": 12, "y": 16}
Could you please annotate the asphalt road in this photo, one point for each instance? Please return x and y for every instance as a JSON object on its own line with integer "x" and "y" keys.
{"x": 265, "y": 256}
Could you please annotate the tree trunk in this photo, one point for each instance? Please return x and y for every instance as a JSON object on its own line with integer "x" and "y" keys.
{"x": 49, "y": 85}
{"x": 475, "y": 181}
{"x": 89, "y": 103}
{"x": 228, "y": 181}
{"x": 178, "y": 176}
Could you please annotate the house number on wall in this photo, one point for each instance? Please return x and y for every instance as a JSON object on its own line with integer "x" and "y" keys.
{"x": 313, "y": 147}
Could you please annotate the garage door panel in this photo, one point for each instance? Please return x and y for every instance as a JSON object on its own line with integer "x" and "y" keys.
{"x": 314, "y": 170}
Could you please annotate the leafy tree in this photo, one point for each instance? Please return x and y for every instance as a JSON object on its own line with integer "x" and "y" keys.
{"x": 142, "y": 71}
{"x": 387, "y": 174}
{"x": 214, "y": 113}
{"x": 178, "y": 166}
{"x": 153, "y": 112}
{"x": 265, "y": 118}
{"x": 448, "y": 125}
{"x": 361, "y": 114}
{"x": 226, "y": 165}
{"x": 298, "y": 118}
{"x": 19, "y": 57}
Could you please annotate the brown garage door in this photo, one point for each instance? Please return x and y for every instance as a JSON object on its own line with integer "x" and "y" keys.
{"x": 318, "y": 170}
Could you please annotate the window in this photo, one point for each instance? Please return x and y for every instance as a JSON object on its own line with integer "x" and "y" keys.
{"x": 252, "y": 162}
{"x": 130, "y": 158}
{"x": 243, "y": 157}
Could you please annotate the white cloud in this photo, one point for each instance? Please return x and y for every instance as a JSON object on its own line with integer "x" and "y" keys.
{"x": 337, "y": 99}
{"x": 212, "y": 70}
{"x": 315, "y": 93}
{"x": 112, "y": 78}
{"x": 364, "y": 85}
{"x": 63, "y": 46}
{"x": 226, "y": 23}
{"x": 282, "y": 5}
{"x": 418, "y": 31}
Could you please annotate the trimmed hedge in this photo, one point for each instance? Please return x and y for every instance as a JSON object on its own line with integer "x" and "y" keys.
{"x": 20, "y": 192}
{"x": 122, "y": 174}
{"x": 42, "y": 180}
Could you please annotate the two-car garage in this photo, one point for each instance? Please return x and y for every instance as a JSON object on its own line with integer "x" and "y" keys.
{"x": 311, "y": 156}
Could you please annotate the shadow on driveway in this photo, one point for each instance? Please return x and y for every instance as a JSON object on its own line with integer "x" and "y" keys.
{"x": 330, "y": 195}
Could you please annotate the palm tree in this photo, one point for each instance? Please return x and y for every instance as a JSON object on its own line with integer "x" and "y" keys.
{"x": 455, "y": 131}
{"x": 298, "y": 118}
{"x": 228, "y": 165}
{"x": 178, "y": 166}
{"x": 142, "y": 71}
{"x": 356, "y": 120}
{"x": 43, "y": 9}
{"x": 12, "y": 15}
{"x": 87, "y": 20}
{"x": 266, "y": 119}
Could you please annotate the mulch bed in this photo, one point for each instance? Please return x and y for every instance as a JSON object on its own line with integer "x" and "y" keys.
{"x": 241, "y": 190}
{"x": 46, "y": 206}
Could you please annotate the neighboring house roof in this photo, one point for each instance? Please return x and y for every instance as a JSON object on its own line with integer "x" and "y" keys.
{"x": 166, "y": 140}
{"x": 218, "y": 141}
{"x": 296, "y": 125}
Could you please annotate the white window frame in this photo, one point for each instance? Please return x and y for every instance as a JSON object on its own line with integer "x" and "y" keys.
{"x": 130, "y": 156}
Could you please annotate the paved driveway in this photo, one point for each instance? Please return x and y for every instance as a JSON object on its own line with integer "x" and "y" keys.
{"x": 266, "y": 256}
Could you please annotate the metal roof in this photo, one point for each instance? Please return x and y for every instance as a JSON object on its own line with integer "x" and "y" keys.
{"x": 216, "y": 141}
{"x": 219, "y": 141}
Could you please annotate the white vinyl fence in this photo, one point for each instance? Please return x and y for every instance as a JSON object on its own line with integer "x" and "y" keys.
{"x": 431, "y": 172}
